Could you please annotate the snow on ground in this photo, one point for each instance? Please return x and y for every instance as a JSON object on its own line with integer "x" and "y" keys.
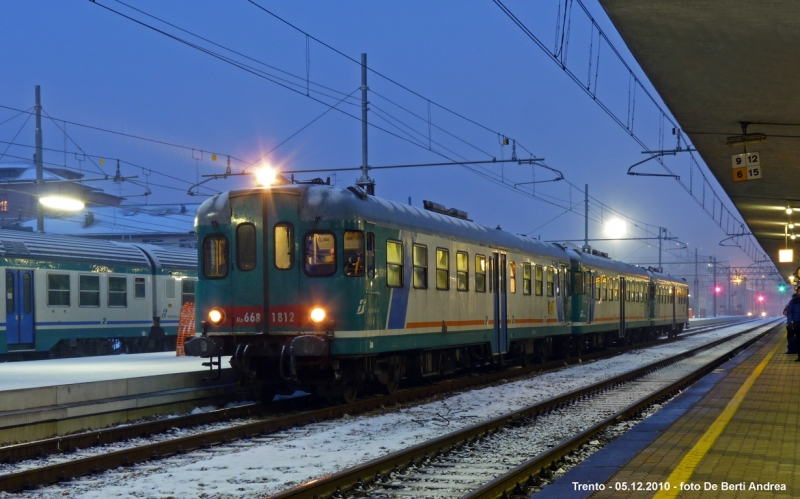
{"x": 57, "y": 372}
{"x": 267, "y": 465}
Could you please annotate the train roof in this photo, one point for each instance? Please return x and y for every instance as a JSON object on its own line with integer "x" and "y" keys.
{"x": 171, "y": 258}
{"x": 666, "y": 277}
{"x": 50, "y": 247}
{"x": 330, "y": 202}
{"x": 601, "y": 262}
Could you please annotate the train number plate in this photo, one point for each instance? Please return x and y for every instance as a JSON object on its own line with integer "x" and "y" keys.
{"x": 247, "y": 316}
{"x": 287, "y": 316}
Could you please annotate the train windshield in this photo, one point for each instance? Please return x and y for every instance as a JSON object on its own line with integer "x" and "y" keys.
{"x": 320, "y": 254}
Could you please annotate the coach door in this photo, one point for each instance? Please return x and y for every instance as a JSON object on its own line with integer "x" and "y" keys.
{"x": 623, "y": 295}
{"x": 19, "y": 309}
{"x": 674, "y": 299}
{"x": 498, "y": 271}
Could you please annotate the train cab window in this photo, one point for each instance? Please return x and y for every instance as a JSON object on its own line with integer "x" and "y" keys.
{"x": 138, "y": 287}
{"x": 539, "y": 281}
{"x": 246, "y": 246}
{"x": 512, "y": 277}
{"x": 442, "y": 269}
{"x": 187, "y": 291}
{"x": 353, "y": 253}
{"x": 58, "y": 290}
{"x": 480, "y": 273}
{"x": 284, "y": 245}
{"x": 89, "y": 286}
{"x": 550, "y": 284}
{"x": 420, "y": 257}
{"x": 319, "y": 254}
{"x": 578, "y": 285}
{"x": 394, "y": 264}
{"x": 117, "y": 291}
{"x": 526, "y": 278}
{"x": 462, "y": 271}
{"x": 371, "y": 255}
{"x": 215, "y": 256}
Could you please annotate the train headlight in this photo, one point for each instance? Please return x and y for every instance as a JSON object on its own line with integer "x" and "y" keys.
{"x": 763, "y": 314}
{"x": 216, "y": 316}
{"x": 317, "y": 315}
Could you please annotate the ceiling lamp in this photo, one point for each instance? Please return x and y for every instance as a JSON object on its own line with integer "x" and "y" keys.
{"x": 789, "y": 210}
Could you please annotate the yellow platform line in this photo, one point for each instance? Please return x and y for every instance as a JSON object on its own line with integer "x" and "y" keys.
{"x": 683, "y": 472}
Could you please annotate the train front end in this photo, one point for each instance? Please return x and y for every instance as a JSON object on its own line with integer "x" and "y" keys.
{"x": 268, "y": 295}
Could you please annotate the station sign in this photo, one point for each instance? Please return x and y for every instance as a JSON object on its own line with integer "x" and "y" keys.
{"x": 746, "y": 166}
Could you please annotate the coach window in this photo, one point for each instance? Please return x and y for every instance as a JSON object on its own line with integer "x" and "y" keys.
{"x": 394, "y": 264}
{"x": 462, "y": 271}
{"x": 480, "y": 274}
{"x": 512, "y": 277}
{"x": 284, "y": 245}
{"x": 117, "y": 291}
{"x": 598, "y": 287}
{"x": 577, "y": 283}
{"x": 526, "y": 278}
{"x": 138, "y": 287}
{"x": 419, "y": 255}
{"x": 616, "y": 289}
{"x": 353, "y": 253}
{"x": 371, "y": 255}
{"x": 246, "y": 246}
{"x": 89, "y": 286}
{"x": 58, "y": 290}
{"x": 319, "y": 258}
{"x": 187, "y": 291}
{"x": 442, "y": 269}
{"x": 539, "y": 280}
{"x": 215, "y": 256}
{"x": 550, "y": 285}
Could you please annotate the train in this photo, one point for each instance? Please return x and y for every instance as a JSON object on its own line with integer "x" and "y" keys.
{"x": 334, "y": 290}
{"x": 70, "y": 296}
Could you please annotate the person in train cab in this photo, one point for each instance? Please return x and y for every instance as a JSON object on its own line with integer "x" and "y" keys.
{"x": 354, "y": 267}
{"x": 793, "y": 322}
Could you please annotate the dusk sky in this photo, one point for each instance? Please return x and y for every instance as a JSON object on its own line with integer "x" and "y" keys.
{"x": 98, "y": 68}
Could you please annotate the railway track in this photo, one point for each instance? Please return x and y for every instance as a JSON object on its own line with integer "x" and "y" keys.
{"x": 203, "y": 439}
{"x": 487, "y": 461}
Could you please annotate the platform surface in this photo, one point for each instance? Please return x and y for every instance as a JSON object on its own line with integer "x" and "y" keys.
{"x": 57, "y": 372}
{"x": 733, "y": 435}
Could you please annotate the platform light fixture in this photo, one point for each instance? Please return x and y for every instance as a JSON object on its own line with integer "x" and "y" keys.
{"x": 789, "y": 210}
{"x": 62, "y": 203}
{"x": 266, "y": 176}
{"x": 786, "y": 255}
{"x": 616, "y": 228}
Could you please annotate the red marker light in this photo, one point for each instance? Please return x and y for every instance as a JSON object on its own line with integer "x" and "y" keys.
{"x": 717, "y": 289}
{"x": 760, "y": 298}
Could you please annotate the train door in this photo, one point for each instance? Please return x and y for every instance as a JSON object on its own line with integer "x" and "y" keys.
{"x": 19, "y": 309}
{"x": 674, "y": 298}
{"x": 592, "y": 293}
{"x": 623, "y": 288}
{"x": 498, "y": 268}
{"x": 372, "y": 292}
{"x": 566, "y": 293}
{"x": 288, "y": 254}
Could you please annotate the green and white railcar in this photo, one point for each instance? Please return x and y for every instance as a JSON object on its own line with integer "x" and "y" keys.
{"x": 669, "y": 303}
{"x": 75, "y": 296}
{"x": 329, "y": 287}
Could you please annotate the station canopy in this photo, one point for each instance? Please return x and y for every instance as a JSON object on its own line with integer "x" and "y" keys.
{"x": 719, "y": 64}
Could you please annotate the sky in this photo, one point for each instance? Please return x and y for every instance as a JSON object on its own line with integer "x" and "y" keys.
{"x": 457, "y": 78}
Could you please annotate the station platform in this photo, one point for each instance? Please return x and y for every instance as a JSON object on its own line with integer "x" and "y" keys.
{"x": 44, "y": 398}
{"x": 733, "y": 435}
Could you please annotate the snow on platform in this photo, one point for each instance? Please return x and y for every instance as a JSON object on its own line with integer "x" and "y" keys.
{"x": 58, "y": 372}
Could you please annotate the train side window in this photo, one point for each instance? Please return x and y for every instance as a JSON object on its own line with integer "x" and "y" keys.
{"x": 89, "y": 286}
{"x": 371, "y": 255}
{"x": 480, "y": 273}
{"x": 420, "y": 262}
{"x": 616, "y": 289}
{"x": 187, "y": 291}
{"x": 512, "y": 277}
{"x": 353, "y": 253}
{"x": 117, "y": 291}
{"x": 598, "y": 284}
{"x": 539, "y": 280}
{"x": 442, "y": 269}
{"x": 577, "y": 281}
{"x": 10, "y": 292}
{"x": 394, "y": 264}
{"x": 215, "y": 256}
{"x": 246, "y": 246}
{"x": 138, "y": 287}
{"x": 58, "y": 290}
{"x": 526, "y": 278}
{"x": 550, "y": 285}
{"x": 319, "y": 258}
{"x": 169, "y": 288}
{"x": 462, "y": 270}
{"x": 284, "y": 245}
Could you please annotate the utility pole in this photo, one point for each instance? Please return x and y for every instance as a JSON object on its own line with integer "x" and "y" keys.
{"x": 696, "y": 286}
{"x": 586, "y": 248}
{"x": 660, "y": 230}
{"x": 39, "y": 165}
{"x": 714, "y": 261}
{"x": 364, "y": 182}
